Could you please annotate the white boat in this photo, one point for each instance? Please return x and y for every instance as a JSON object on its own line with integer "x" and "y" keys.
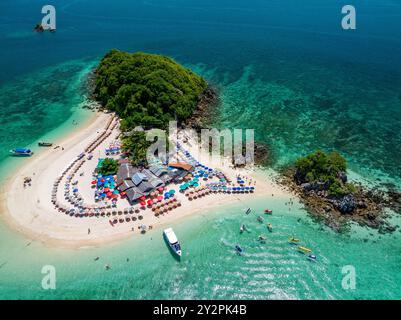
{"x": 172, "y": 241}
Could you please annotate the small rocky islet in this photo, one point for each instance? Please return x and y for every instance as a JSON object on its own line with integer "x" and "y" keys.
{"x": 320, "y": 180}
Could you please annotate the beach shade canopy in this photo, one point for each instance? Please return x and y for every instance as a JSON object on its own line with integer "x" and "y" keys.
{"x": 150, "y": 202}
{"x": 116, "y": 192}
{"x": 142, "y": 198}
{"x": 107, "y": 189}
{"x": 142, "y": 203}
{"x": 160, "y": 189}
{"x": 159, "y": 198}
{"x": 122, "y": 193}
{"x": 75, "y": 190}
{"x": 109, "y": 194}
{"x": 93, "y": 182}
{"x": 172, "y": 191}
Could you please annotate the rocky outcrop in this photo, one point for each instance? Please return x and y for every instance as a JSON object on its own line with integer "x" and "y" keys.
{"x": 365, "y": 207}
{"x": 201, "y": 116}
{"x": 346, "y": 204}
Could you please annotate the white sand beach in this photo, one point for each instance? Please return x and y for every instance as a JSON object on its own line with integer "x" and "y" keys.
{"x": 29, "y": 209}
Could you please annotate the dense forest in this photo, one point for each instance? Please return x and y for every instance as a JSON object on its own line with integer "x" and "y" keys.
{"x": 147, "y": 89}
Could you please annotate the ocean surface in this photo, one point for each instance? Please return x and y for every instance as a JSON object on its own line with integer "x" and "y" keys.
{"x": 285, "y": 68}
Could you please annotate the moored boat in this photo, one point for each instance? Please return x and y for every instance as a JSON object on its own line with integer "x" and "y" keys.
{"x": 268, "y": 211}
{"x": 262, "y": 238}
{"x": 270, "y": 227}
{"x": 172, "y": 241}
{"x": 238, "y": 249}
{"x": 21, "y": 152}
{"x": 45, "y": 144}
{"x": 304, "y": 250}
{"x": 312, "y": 257}
{"x": 294, "y": 240}
{"x": 248, "y": 211}
{"x": 260, "y": 219}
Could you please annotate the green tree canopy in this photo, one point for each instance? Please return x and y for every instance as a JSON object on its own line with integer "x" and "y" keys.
{"x": 328, "y": 168}
{"x": 147, "y": 89}
{"x": 136, "y": 146}
{"x": 109, "y": 167}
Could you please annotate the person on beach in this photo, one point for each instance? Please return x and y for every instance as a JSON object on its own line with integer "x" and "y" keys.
{"x": 89, "y": 230}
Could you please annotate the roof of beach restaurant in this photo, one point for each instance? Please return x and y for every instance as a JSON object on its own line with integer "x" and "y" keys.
{"x": 125, "y": 171}
{"x": 181, "y": 165}
{"x": 133, "y": 194}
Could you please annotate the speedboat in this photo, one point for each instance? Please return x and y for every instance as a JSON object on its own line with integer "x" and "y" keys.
{"x": 268, "y": 211}
{"x": 21, "y": 152}
{"x": 45, "y": 144}
{"x": 294, "y": 240}
{"x": 260, "y": 219}
{"x": 248, "y": 211}
{"x": 304, "y": 250}
{"x": 238, "y": 249}
{"x": 172, "y": 241}
{"x": 262, "y": 238}
{"x": 311, "y": 257}
{"x": 270, "y": 227}
{"x": 242, "y": 228}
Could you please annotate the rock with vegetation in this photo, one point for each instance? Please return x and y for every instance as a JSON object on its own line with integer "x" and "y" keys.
{"x": 320, "y": 179}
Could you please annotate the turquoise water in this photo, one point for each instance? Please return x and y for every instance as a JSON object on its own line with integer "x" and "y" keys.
{"x": 286, "y": 69}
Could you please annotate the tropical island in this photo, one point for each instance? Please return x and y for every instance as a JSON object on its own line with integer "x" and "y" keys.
{"x": 320, "y": 179}
{"x": 98, "y": 185}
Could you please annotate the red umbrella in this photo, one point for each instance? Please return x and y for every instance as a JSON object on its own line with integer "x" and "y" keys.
{"x": 160, "y": 198}
{"x": 102, "y": 180}
{"x": 143, "y": 203}
{"x": 150, "y": 202}
{"x": 93, "y": 182}
{"x": 142, "y": 198}
{"x": 122, "y": 193}
{"x": 109, "y": 194}
{"x": 115, "y": 196}
{"x": 160, "y": 189}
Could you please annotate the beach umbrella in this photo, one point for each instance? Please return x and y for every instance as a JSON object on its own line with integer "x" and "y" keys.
{"x": 160, "y": 198}
{"x": 150, "y": 202}
{"x": 109, "y": 194}
{"x": 171, "y": 191}
{"x": 116, "y": 192}
{"x": 142, "y": 198}
{"x": 143, "y": 203}
{"x": 93, "y": 182}
{"x": 160, "y": 189}
{"x": 107, "y": 189}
